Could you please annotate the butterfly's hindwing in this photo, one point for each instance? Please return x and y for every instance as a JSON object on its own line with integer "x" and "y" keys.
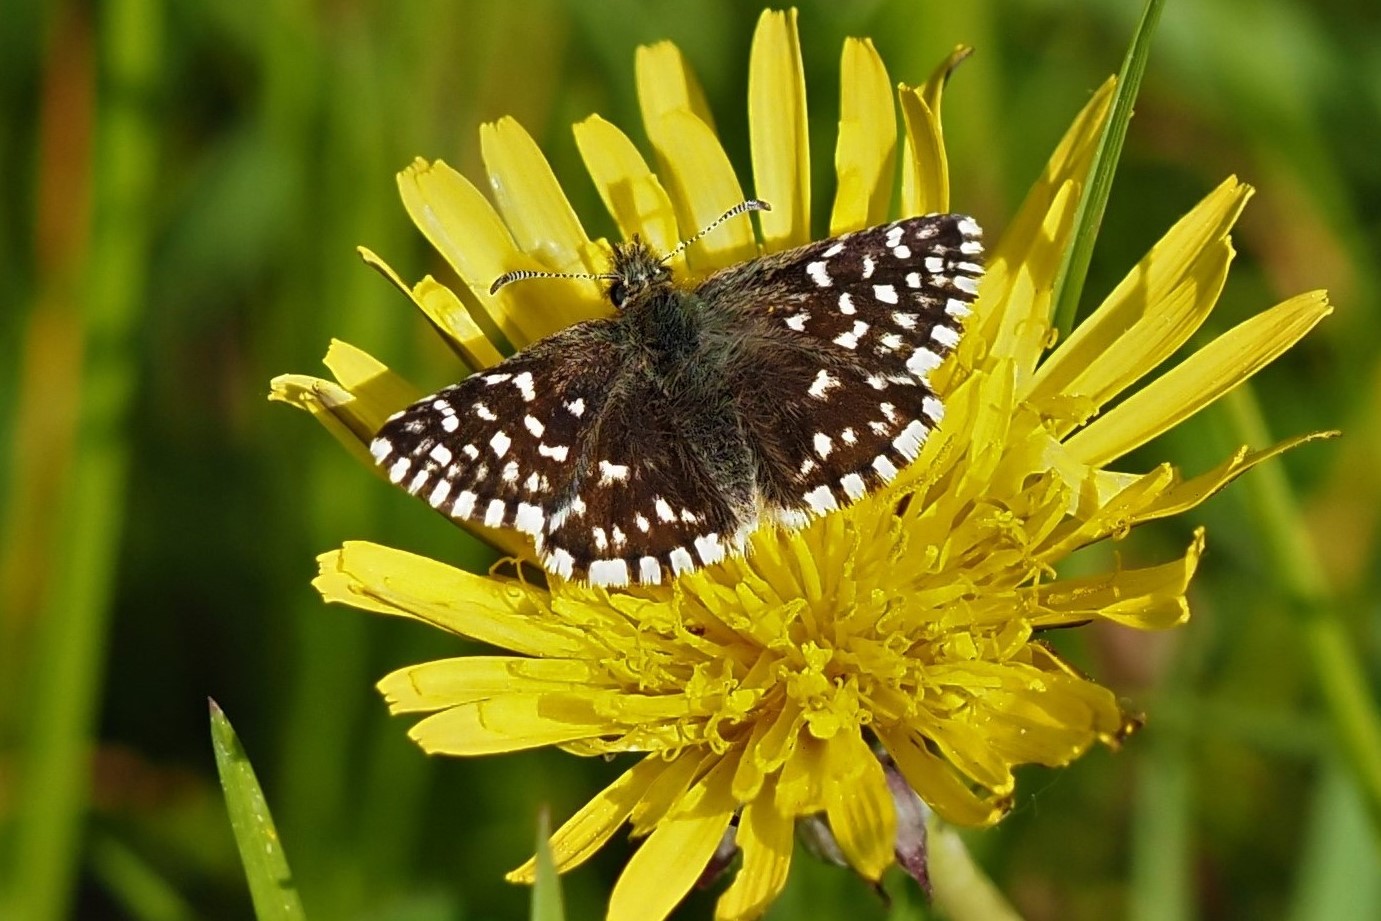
{"x": 654, "y": 499}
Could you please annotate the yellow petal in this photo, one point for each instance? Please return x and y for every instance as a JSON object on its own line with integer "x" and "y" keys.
{"x": 587, "y": 831}
{"x": 937, "y": 783}
{"x": 778, "y": 127}
{"x": 535, "y": 208}
{"x": 666, "y": 83}
{"x": 1153, "y": 311}
{"x": 693, "y": 166}
{"x": 447, "y": 314}
{"x": 461, "y": 224}
{"x": 667, "y": 793}
{"x": 859, "y": 806}
{"x": 672, "y": 858}
{"x": 1148, "y": 599}
{"x": 865, "y": 152}
{"x": 509, "y": 615}
{"x": 513, "y": 722}
{"x": 1021, "y": 293}
{"x": 1199, "y": 380}
{"x": 766, "y": 838}
{"x": 630, "y": 190}
{"x": 1183, "y": 496}
{"x": 925, "y": 165}
{"x": 447, "y": 682}
{"x": 924, "y": 178}
{"x": 353, "y": 408}
{"x": 1032, "y": 245}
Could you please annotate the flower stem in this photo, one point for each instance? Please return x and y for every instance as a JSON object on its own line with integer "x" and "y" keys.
{"x": 960, "y": 888}
{"x": 1331, "y": 650}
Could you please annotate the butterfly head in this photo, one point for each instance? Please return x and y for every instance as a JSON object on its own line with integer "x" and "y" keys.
{"x": 637, "y": 269}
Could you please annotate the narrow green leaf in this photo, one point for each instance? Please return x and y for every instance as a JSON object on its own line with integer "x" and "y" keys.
{"x": 546, "y": 889}
{"x": 270, "y": 881}
{"x": 1069, "y": 285}
{"x": 1162, "y": 853}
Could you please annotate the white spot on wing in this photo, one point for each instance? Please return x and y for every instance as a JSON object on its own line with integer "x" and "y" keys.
{"x": 846, "y": 304}
{"x": 823, "y": 444}
{"x": 885, "y": 293}
{"x": 798, "y": 321}
{"x": 709, "y": 548}
{"x": 555, "y": 452}
{"x": 465, "y": 504}
{"x": 649, "y": 570}
{"x": 819, "y": 274}
{"x": 441, "y": 454}
{"x": 885, "y": 468}
{"x": 561, "y": 563}
{"x": 399, "y": 470}
{"x": 612, "y": 473}
{"x": 439, "y": 493}
{"x": 524, "y": 384}
{"x": 529, "y": 519}
{"x": 380, "y": 448}
{"x": 500, "y": 443}
{"x": 966, "y": 284}
{"x": 824, "y": 383}
{"x": 664, "y": 511}
{"x": 933, "y": 409}
{"x": 853, "y": 486}
{"x": 922, "y": 362}
{"x": 576, "y": 407}
{"x": 908, "y": 443}
{"x": 945, "y": 336}
{"x": 681, "y": 560}
{"x": 483, "y": 412}
{"x": 534, "y": 426}
{"x": 821, "y": 499}
{"x": 957, "y": 308}
{"x": 493, "y": 515}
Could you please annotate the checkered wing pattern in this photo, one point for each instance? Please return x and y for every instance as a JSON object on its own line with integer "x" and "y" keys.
{"x": 839, "y": 398}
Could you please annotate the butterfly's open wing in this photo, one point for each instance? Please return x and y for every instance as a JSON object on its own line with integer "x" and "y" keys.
{"x": 501, "y": 447}
{"x": 838, "y": 395}
{"x": 575, "y": 444}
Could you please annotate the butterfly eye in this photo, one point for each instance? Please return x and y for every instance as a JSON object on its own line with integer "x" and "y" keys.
{"x": 618, "y": 293}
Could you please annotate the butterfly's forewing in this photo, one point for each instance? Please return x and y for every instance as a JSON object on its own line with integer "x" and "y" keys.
{"x": 503, "y": 447}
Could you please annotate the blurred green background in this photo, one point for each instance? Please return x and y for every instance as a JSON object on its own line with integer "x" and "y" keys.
{"x": 184, "y": 183}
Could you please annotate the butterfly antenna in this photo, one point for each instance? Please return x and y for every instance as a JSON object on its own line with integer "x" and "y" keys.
{"x": 751, "y": 204}
{"x": 520, "y": 274}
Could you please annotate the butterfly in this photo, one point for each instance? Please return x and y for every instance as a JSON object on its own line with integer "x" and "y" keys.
{"x": 656, "y": 441}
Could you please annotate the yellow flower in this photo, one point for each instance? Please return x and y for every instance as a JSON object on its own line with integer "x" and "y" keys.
{"x": 757, "y": 687}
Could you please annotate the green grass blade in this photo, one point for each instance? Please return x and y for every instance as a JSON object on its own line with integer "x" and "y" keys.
{"x": 1069, "y": 285}
{"x": 546, "y": 889}
{"x": 1333, "y": 655}
{"x": 72, "y": 621}
{"x": 140, "y": 890}
{"x": 1162, "y": 832}
{"x": 270, "y": 881}
{"x": 1337, "y": 871}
